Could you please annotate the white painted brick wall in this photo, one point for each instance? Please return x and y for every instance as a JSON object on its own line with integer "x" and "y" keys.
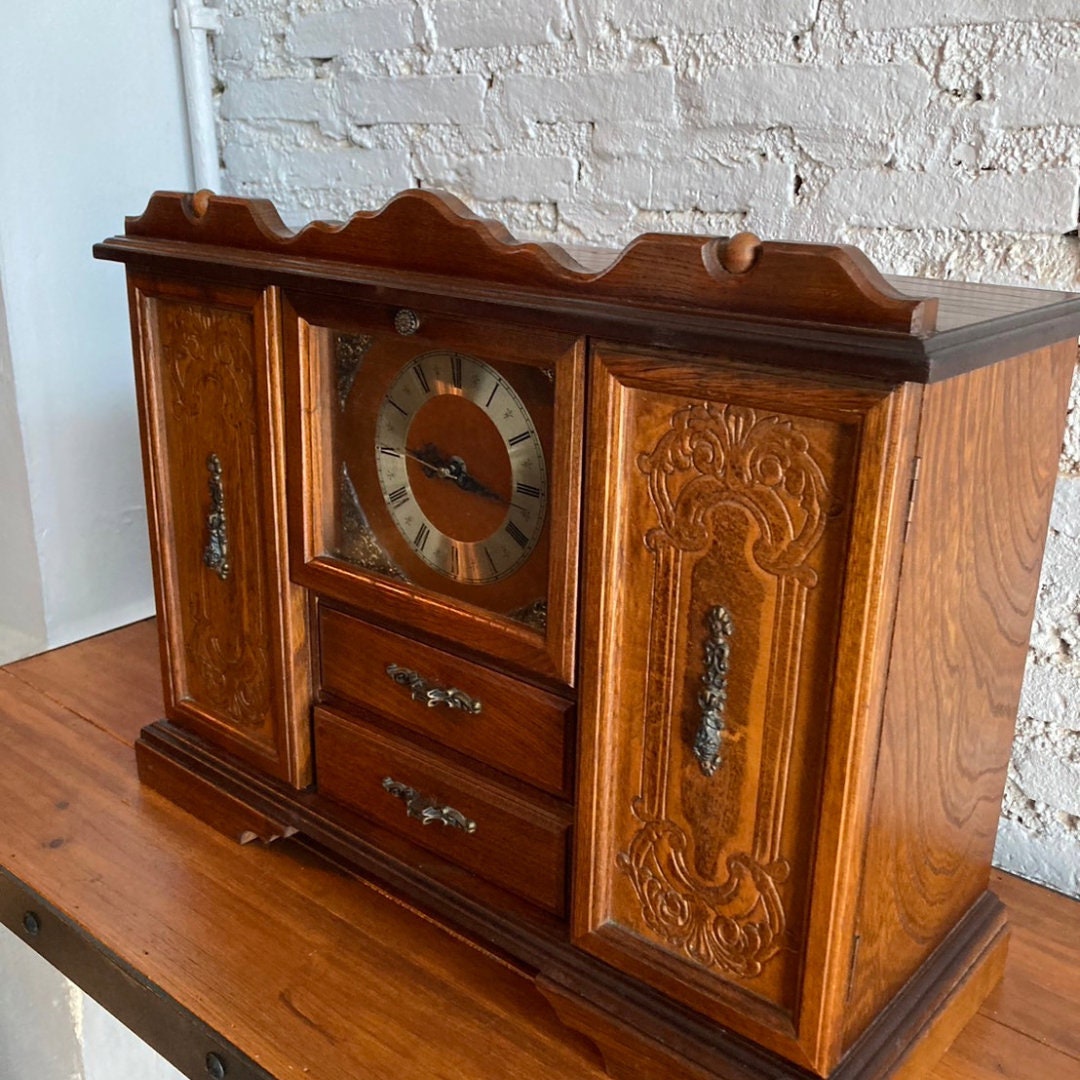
{"x": 942, "y": 138}
{"x": 673, "y": 18}
{"x": 591, "y": 96}
{"x": 405, "y": 99}
{"x": 890, "y": 15}
{"x": 855, "y": 97}
{"x": 984, "y": 202}
{"x": 327, "y": 34}
{"x": 482, "y": 24}
{"x": 1034, "y": 94}
{"x": 275, "y": 99}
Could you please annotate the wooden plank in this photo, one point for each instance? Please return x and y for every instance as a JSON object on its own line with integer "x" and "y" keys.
{"x": 112, "y": 680}
{"x": 1041, "y": 990}
{"x": 985, "y": 1050}
{"x": 304, "y": 970}
{"x": 297, "y": 964}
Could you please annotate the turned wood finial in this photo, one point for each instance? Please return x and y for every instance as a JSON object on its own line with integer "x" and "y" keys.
{"x": 200, "y": 201}
{"x": 740, "y": 253}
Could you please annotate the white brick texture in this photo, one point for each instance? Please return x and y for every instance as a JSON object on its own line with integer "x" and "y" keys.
{"x": 275, "y": 99}
{"x": 670, "y": 18}
{"x": 942, "y": 136}
{"x": 528, "y": 179}
{"x": 635, "y": 95}
{"x": 708, "y": 188}
{"x": 1032, "y": 94}
{"x": 370, "y": 29}
{"x": 241, "y": 39}
{"x": 482, "y": 24}
{"x": 387, "y": 170}
{"x": 989, "y": 202}
{"x": 862, "y": 97}
{"x": 433, "y": 99}
{"x": 890, "y": 15}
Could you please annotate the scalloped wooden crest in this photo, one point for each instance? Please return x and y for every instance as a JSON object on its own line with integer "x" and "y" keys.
{"x": 429, "y": 232}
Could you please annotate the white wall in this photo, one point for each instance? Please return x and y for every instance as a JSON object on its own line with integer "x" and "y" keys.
{"x": 22, "y": 605}
{"x": 91, "y": 121}
{"x": 943, "y": 138}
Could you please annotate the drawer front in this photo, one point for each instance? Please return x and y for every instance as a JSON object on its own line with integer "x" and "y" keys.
{"x": 495, "y": 719}
{"x": 516, "y": 843}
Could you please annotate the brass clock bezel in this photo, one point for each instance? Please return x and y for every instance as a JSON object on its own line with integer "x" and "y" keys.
{"x": 527, "y": 583}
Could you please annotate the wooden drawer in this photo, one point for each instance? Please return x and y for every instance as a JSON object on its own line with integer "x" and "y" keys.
{"x": 516, "y": 843}
{"x": 518, "y": 729}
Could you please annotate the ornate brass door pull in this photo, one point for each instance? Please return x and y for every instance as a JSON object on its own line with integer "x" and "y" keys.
{"x": 425, "y": 810}
{"x": 216, "y": 552}
{"x": 713, "y": 695}
{"x": 430, "y": 693}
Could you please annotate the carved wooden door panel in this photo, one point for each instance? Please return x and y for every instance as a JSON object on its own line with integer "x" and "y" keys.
{"x": 232, "y": 625}
{"x": 725, "y": 502}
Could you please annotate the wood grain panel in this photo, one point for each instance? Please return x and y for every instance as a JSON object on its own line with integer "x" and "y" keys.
{"x": 236, "y": 658}
{"x": 433, "y": 232}
{"x": 988, "y": 447}
{"x": 719, "y": 574}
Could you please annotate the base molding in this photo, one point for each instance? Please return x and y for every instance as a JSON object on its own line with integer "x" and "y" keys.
{"x": 640, "y": 1034}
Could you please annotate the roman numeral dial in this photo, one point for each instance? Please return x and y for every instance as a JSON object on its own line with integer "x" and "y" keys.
{"x": 461, "y": 467}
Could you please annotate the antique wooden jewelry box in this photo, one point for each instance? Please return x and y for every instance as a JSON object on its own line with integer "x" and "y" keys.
{"x": 656, "y": 618}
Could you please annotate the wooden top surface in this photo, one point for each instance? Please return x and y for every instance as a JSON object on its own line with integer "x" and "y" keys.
{"x": 313, "y": 973}
{"x": 423, "y": 247}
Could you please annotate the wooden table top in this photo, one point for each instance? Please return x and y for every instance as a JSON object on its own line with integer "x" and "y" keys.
{"x": 287, "y": 965}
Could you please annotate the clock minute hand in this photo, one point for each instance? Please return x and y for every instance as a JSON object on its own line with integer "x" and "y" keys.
{"x": 455, "y": 469}
{"x": 431, "y": 463}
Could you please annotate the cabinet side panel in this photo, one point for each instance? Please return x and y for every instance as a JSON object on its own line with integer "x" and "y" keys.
{"x": 989, "y": 445}
{"x": 230, "y": 631}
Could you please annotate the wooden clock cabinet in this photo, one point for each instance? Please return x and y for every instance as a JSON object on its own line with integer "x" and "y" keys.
{"x": 656, "y": 618}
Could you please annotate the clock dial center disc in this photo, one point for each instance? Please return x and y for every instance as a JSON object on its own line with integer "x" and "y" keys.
{"x": 455, "y": 437}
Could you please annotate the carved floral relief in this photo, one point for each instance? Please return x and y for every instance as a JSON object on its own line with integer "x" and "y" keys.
{"x": 210, "y": 401}
{"x": 712, "y": 456}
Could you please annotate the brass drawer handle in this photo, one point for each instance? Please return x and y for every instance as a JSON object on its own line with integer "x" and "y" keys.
{"x": 432, "y": 694}
{"x": 216, "y": 552}
{"x": 425, "y": 810}
{"x": 713, "y": 695}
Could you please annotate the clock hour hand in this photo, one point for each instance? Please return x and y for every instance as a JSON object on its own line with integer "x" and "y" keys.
{"x": 453, "y": 468}
{"x": 428, "y": 456}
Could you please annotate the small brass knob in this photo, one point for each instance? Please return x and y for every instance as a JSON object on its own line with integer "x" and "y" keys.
{"x": 406, "y": 322}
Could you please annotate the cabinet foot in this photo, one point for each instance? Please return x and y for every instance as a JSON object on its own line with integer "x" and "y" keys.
{"x": 628, "y": 1054}
{"x": 643, "y": 1040}
{"x": 186, "y": 784}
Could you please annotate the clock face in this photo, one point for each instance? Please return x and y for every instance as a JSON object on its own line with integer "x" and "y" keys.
{"x": 434, "y": 475}
{"x": 460, "y": 466}
{"x": 438, "y": 472}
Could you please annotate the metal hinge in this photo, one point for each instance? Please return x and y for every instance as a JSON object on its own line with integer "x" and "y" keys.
{"x": 916, "y": 463}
